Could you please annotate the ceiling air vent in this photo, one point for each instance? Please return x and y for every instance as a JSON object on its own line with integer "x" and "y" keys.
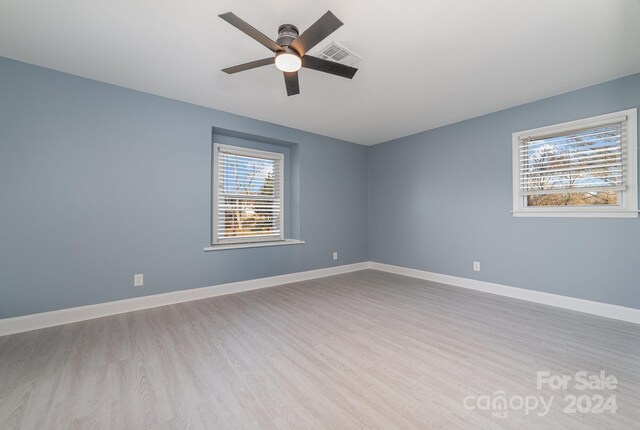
{"x": 338, "y": 53}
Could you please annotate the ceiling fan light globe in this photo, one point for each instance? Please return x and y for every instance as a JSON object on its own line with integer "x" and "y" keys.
{"x": 288, "y": 62}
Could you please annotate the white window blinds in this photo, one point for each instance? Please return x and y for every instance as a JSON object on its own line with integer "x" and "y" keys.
{"x": 248, "y": 195}
{"x": 588, "y": 159}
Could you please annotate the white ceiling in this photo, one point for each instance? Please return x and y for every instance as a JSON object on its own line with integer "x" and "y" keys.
{"x": 426, "y": 63}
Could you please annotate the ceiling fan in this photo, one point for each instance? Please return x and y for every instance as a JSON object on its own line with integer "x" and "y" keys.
{"x": 291, "y": 49}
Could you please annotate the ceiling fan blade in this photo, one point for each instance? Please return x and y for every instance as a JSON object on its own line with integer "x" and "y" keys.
{"x": 319, "y": 30}
{"x": 246, "y": 28}
{"x": 327, "y": 66}
{"x": 291, "y": 82}
{"x": 250, "y": 65}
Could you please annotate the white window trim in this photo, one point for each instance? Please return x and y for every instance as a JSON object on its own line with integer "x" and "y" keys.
{"x": 628, "y": 200}
{"x": 253, "y": 245}
{"x": 243, "y": 242}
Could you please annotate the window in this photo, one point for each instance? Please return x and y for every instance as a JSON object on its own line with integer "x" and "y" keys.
{"x": 248, "y": 203}
{"x": 580, "y": 168}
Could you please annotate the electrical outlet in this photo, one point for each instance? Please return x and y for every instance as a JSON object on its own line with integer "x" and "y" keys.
{"x": 335, "y": 255}
{"x": 138, "y": 280}
{"x": 476, "y": 266}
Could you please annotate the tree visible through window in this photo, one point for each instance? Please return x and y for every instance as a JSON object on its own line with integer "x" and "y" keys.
{"x": 583, "y": 166}
{"x": 248, "y": 201}
{"x": 577, "y": 161}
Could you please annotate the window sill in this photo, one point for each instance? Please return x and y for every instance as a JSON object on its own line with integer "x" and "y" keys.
{"x": 559, "y": 214}
{"x": 224, "y": 246}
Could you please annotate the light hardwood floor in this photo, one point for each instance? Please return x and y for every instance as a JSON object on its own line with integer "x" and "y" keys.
{"x": 362, "y": 350}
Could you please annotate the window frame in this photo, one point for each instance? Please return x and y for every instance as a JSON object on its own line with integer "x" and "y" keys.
{"x": 627, "y": 206}
{"x": 245, "y": 152}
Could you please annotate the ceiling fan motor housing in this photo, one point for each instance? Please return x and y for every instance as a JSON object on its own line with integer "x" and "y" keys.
{"x": 287, "y": 33}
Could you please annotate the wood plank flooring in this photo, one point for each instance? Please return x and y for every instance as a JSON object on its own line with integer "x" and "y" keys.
{"x": 365, "y": 350}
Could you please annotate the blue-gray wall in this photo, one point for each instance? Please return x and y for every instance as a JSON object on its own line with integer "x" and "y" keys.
{"x": 440, "y": 199}
{"x": 99, "y": 182}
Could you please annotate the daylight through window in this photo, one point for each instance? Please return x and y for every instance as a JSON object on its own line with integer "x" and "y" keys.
{"x": 248, "y": 195}
{"x": 583, "y": 166}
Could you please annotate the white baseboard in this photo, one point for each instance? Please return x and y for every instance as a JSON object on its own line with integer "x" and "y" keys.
{"x": 81, "y": 313}
{"x": 595, "y": 308}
